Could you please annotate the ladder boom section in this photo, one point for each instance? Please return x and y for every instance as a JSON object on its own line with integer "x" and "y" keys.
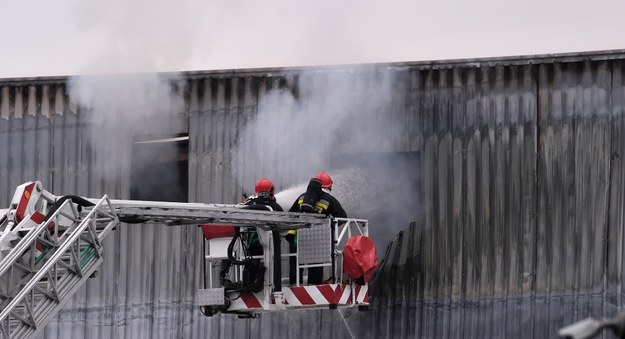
{"x": 173, "y": 213}
{"x": 42, "y": 272}
{"x": 50, "y": 245}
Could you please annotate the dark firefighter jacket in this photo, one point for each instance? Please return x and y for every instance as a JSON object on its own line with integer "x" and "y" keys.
{"x": 327, "y": 204}
{"x": 260, "y": 203}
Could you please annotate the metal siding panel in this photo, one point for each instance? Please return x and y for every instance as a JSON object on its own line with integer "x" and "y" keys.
{"x": 443, "y": 258}
{"x": 217, "y": 135}
{"x": 6, "y": 141}
{"x": 5, "y": 104}
{"x": 529, "y": 189}
{"x": 28, "y": 152}
{"x": 486, "y": 116}
{"x": 45, "y": 101}
{"x": 546, "y": 139}
{"x": 18, "y": 104}
{"x": 5, "y": 184}
{"x": 15, "y": 151}
{"x": 59, "y": 100}
{"x": 245, "y": 170}
{"x": 490, "y": 310}
{"x": 31, "y": 106}
{"x": 614, "y": 253}
{"x": 501, "y": 178}
{"x": 457, "y": 237}
{"x": 43, "y": 148}
{"x": 231, "y": 126}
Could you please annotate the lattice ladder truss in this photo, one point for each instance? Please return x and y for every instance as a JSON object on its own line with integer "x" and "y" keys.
{"x": 48, "y": 265}
{"x": 173, "y": 213}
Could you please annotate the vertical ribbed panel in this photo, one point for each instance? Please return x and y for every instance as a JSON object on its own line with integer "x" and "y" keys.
{"x": 25, "y": 136}
{"x": 522, "y": 230}
{"x": 521, "y": 227}
{"x": 616, "y": 206}
{"x": 573, "y": 169}
{"x": 478, "y": 157}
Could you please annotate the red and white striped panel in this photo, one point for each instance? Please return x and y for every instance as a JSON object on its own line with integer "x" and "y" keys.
{"x": 302, "y": 296}
{"x": 362, "y": 294}
{"x": 25, "y": 205}
{"x": 245, "y": 301}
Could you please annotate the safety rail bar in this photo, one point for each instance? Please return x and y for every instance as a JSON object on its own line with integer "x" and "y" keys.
{"x": 346, "y": 225}
{"x": 344, "y": 229}
{"x": 58, "y": 272}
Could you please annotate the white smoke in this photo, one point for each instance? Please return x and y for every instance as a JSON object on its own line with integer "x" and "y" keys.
{"x": 342, "y": 121}
{"x": 286, "y": 197}
{"x": 118, "y": 101}
{"x": 120, "y": 108}
{"x": 321, "y": 119}
{"x": 294, "y": 135}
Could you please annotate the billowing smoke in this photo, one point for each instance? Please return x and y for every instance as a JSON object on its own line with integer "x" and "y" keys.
{"x": 342, "y": 121}
{"x": 124, "y": 106}
{"x": 298, "y": 130}
{"x": 122, "y": 109}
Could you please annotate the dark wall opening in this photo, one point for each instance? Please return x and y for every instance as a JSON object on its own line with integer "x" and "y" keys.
{"x": 160, "y": 168}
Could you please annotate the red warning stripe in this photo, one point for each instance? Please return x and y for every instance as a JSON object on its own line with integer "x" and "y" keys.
{"x": 366, "y": 296}
{"x": 302, "y": 295}
{"x": 332, "y": 296}
{"x": 21, "y": 206}
{"x": 329, "y": 294}
{"x": 250, "y": 300}
{"x": 37, "y": 217}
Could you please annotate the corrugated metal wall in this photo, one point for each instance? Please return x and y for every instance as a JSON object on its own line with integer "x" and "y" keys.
{"x": 521, "y": 230}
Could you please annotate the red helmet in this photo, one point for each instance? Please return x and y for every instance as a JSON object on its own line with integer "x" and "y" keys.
{"x": 264, "y": 185}
{"x": 326, "y": 180}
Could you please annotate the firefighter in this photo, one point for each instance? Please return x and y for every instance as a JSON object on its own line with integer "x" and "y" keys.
{"x": 316, "y": 199}
{"x": 263, "y": 200}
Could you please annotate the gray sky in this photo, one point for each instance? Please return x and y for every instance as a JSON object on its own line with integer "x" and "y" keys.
{"x": 69, "y": 37}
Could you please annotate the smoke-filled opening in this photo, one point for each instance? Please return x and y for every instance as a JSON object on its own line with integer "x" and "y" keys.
{"x": 381, "y": 187}
{"x": 159, "y": 168}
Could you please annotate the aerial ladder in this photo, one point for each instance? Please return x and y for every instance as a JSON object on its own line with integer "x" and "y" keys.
{"x": 50, "y": 245}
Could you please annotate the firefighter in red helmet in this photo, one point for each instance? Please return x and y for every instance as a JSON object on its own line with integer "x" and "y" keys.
{"x": 263, "y": 200}
{"x": 323, "y": 202}
{"x": 316, "y": 199}
{"x": 264, "y": 186}
{"x": 326, "y": 180}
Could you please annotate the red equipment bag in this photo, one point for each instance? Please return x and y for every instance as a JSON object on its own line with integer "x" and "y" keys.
{"x": 211, "y": 231}
{"x": 360, "y": 258}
